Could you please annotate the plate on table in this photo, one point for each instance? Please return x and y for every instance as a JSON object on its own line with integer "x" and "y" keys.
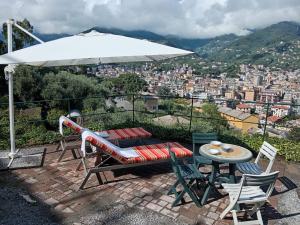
{"x": 214, "y": 151}
{"x": 216, "y": 143}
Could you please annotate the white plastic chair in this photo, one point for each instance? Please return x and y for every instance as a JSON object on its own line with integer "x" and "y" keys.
{"x": 249, "y": 192}
{"x": 266, "y": 150}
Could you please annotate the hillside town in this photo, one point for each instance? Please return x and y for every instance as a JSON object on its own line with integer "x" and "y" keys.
{"x": 256, "y": 92}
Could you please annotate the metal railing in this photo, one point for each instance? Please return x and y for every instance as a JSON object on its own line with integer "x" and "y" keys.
{"x": 188, "y": 111}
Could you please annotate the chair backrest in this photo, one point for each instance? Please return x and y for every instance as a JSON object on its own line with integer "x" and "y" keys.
{"x": 268, "y": 151}
{"x": 174, "y": 162}
{"x": 262, "y": 180}
{"x": 202, "y": 138}
{"x": 114, "y": 151}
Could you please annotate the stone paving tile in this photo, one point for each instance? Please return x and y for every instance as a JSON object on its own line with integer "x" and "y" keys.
{"x": 57, "y": 183}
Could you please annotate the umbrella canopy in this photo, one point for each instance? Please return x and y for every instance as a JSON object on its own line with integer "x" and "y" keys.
{"x": 91, "y": 48}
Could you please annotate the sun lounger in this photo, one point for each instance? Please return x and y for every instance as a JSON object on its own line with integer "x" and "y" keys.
{"x": 71, "y": 142}
{"x": 129, "y": 157}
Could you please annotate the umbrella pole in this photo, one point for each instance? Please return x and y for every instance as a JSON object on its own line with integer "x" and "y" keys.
{"x": 11, "y": 95}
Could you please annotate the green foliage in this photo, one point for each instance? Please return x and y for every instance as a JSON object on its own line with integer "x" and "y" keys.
{"x": 53, "y": 116}
{"x": 286, "y": 148}
{"x": 125, "y": 84}
{"x": 27, "y": 83}
{"x": 92, "y": 104}
{"x": 3, "y": 86}
{"x": 294, "y": 134}
{"x": 276, "y": 45}
{"x": 20, "y": 39}
{"x": 167, "y": 105}
{"x": 63, "y": 85}
{"x": 210, "y": 111}
{"x": 163, "y": 91}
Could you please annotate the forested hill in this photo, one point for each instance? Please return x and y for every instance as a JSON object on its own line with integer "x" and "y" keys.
{"x": 185, "y": 43}
{"x": 276, "y": 45}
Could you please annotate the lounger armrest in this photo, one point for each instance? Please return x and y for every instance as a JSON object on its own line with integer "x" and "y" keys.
{"x": 105, "y": 144}
{"x": 74, "y": 126}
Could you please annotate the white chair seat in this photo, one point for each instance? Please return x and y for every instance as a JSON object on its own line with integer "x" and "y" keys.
{"x": 249, "y": 168}
{"x": 248, "y": 194}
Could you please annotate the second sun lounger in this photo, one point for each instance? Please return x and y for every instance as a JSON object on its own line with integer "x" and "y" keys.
{"x": 129, "y": 157}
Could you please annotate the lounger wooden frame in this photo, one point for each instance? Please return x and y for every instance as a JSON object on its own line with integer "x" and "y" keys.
{"x": 100, "y": 168}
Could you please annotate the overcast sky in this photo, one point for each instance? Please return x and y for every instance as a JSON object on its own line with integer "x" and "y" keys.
{"x": 186, "y": 18}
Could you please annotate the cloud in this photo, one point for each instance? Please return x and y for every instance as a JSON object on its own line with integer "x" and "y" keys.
{"x": 186, "y": 18}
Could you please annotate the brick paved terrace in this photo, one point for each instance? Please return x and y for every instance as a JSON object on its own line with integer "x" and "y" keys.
{"x": 131, "y": 193}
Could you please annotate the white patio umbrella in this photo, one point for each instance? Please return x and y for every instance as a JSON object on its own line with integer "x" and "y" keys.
{"x": 89, "y": 48}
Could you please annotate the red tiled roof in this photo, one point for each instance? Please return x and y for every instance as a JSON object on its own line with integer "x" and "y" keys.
{"x": 273, "y": 119}
{"x": 280, "y": 107}
{"x": 243, "y": 106}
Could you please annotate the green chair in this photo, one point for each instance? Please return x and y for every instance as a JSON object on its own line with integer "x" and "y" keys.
{"x": 186, "y": 175}
{"x": 198, "y": 140}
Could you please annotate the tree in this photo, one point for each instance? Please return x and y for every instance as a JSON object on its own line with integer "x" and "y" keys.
{"x": 27, "y": 83}
{"x": 164, "y": 91}
{"x": 64, "y": 85}
{"x": 124, "y": 84}
{"x": 20, "y": 39}
{"x": 131, "y": 83}
{"x": 210, "y": 111}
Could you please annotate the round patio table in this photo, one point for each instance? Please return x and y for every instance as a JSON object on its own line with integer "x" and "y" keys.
{"x": 236, "y": 154}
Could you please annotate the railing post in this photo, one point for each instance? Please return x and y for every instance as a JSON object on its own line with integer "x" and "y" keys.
{"x": 133, "y": 116}
{"x": 266, "y": 121}
{"x": 69, "y": 106}
{"x": 191, "y": 115}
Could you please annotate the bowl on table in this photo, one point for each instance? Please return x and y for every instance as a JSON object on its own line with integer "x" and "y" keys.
{"x": 226, "y": 147}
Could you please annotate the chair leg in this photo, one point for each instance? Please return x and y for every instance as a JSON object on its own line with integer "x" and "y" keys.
{"x": 186, "y": 189}
{"x": 74, "y": 154}
{"x": 83, "y": 160}
{"x": 255, "y": 208}
{"x": 61, "y": 155}
{"x": 85, "y": 180}
{"x": 227, "y": 210}
{"x": 234, "y": 216}
{"x": 99, "y": 178}
{"x": 58, "y": 146}
{"x": 259, "y": 217}
{"x": 79, "y": 165}
{"x": 191, "y": 193}
{"x": 173, "y": 188}
{"x": 179, "y": 198}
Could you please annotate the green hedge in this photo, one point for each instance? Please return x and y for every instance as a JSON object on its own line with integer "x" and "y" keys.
{"x": 29, "y": 133}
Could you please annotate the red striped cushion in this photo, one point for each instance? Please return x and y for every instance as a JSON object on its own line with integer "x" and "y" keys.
{"x": 128, "y": 133}
{"x": 118, "y": 134}
{"x": 147, "y": 152}
{"x": 74, "y": 126}
{"x": 159, "y": 152}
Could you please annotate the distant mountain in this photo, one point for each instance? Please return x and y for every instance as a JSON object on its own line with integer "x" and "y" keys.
{"x": 186, "y": 43}
{"x": 276, "y": 45}
{"x": 50, "y": 37}
{"x": 216, "y": 44}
